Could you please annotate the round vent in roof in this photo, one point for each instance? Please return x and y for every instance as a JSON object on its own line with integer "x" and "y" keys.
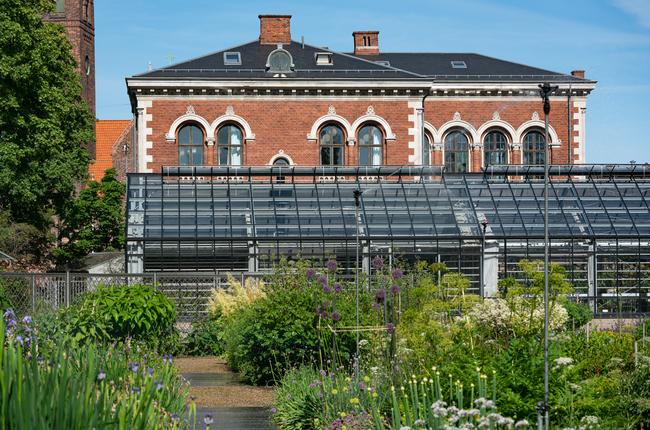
{"x": 279, "y": 61}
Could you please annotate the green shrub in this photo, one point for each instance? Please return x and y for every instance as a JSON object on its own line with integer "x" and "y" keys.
{"x": 283, "y": 330}
{"x": 206, "y": 338}
{"x": 5, "y": 302}
{"x": 298, "y": 406}
{"x": 579, "y": 314}
{"x": 113, "y": 313}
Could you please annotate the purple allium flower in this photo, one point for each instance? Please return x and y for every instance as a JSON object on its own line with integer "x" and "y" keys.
{"x": 311, "y": 274}
{"x": 40, "y": 358}
{"x": 27, "y": 319}
{"x": 327, "y": 289}
{"x": 274, "y": 410}
{"x": 390, "y": 328}
{"x": 362, "y": 386}
{"x": 323, "y": 373}
{"x": 336, "y": 316}
{"x": 159, "y": 385}
{"x": 101, "y": 375}
{"x": 207, "y": 419}
{"x": 320, "y": 311}
{"x": 133, "y": 366}
{"x": 322, "y": 279}
{"x": 394, "y": 289}
{"x": 377, "y": 263}
{"x": 135, "y": 389}
{"x": 331, "y": 265}
{"x": 380, "y": 295}
{"x": 338, "y": 287}
{"x": 398, "y": 274}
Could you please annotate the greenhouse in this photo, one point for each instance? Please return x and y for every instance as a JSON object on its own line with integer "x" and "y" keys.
{"x": 243, "y": 219}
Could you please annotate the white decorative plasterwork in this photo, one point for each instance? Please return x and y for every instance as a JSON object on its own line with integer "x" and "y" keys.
{"x": 456, "y": 124}
{"x": 231, "y": 117}
{"x": 372, "y": 117}
{"x": 477, "y": 146}
{"x": 457, "y": 116}
{"x": 370, "y": 110}
{"x": 210, "y": 141}
{"x": 189, "y": 116}
{"x": 515, "y": 146}
{"x": 281, "y": 154}
{"x": 496, "y": 116}
{"x": 332, "y": 117}
{"x": 432, "y": 132}
{"x": 499, "y": 124}
{"x": 438, "y": 146}
{"x": 539, "y": 125}
{"x": 535, "y": 116}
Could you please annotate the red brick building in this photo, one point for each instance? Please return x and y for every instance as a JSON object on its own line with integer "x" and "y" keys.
{"x": 113, "y": 139}
{"x": 276, "y": 100}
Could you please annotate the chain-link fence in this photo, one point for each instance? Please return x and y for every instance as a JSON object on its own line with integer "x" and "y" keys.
{"x": 29, "y": 293}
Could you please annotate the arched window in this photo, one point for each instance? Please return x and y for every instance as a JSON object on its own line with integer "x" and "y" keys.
{"x": 494, "y": 148}
{"x": 331, "y": 140}
{"x": 190, "y": 145}
{"x": 534, "y": 148}
{"x": 456, "y": 152}
{"x": 229, "y": 142}
{"x": 371, "y": 146}
{"x": 280, "y": 162}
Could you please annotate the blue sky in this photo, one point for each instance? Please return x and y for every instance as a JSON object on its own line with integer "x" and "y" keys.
{"x": 610, "y": 39}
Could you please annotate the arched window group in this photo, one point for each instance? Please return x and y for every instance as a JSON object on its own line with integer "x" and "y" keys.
{"x": 229, "y": 151}
{"x": 191, "y": 145}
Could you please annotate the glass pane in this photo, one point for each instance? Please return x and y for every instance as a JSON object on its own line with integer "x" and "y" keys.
{"x": 280, "y": 61}
{"x": 376, "y": 156}
{"x": 197, "y": 155}
{"x": 338, "y": 156}
{"x": 364, "y": 156}
{"x": 236, "y": 156}
{"x": 196, "y": 135}
{"x": 184, "y": 136}
{"x": 223, "y": 156}
{"x": 183, "y": 156}
{"x": 325, "y": 156}
{"x": 235, "y": 135}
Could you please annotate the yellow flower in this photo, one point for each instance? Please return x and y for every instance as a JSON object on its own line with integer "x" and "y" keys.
{"x": 366, "y": 379}
{"x": 354, "y": 400}
{"x": 334, "y": 391}
{"x": 344, "y": 427}
{"x": 348, "y": 379}
{"x": 374, "y": 394}
{"x": 343, "y": 414}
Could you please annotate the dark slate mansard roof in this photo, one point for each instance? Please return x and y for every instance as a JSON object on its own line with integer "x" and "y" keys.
{"x": 403, "y": 66}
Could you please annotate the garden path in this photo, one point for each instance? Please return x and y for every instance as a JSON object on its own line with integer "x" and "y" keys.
{"x": 220, "y": 392}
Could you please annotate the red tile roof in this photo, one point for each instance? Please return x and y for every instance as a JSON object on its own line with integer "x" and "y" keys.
{"x": 107, "y": 131}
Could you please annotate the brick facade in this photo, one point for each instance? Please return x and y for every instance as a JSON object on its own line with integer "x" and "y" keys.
{"x": 78, "y": 20}
{"x": 114, "y": 143}
{"x": 280, "y": 114}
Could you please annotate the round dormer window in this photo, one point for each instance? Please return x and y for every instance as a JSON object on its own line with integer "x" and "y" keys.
{"x": 279, "y": 61}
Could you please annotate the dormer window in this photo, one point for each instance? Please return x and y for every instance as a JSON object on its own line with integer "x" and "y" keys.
{"x": 324, "y": 59}
{"x": 232, "y": 59}
{"x": 458, "y": 64}
{"x": 279, "y": 62}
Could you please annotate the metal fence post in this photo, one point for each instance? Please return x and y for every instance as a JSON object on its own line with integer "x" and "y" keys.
{"x": 67, "y": 288}
{"x": 155, "y": 279}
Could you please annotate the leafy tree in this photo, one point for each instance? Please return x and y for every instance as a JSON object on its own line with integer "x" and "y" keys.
{"x": 44, "y": 122}
{"x": 94, "y": 221}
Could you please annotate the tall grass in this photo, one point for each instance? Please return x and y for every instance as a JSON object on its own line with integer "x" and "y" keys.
{"x": 85, "y": 387}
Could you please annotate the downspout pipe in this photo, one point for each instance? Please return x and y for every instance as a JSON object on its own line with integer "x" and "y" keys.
{"x": 423, "y": 136}
{"x": 570, "y": 126}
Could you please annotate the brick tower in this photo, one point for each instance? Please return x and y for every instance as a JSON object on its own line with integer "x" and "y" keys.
{"x": 78, "y": 18}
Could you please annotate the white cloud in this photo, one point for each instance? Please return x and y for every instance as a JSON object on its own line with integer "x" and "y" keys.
{"x": 640, "y": 9}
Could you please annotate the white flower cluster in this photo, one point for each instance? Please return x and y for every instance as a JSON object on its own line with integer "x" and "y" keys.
{"x": 514, "y": 315}
{"x": 588, "y": 422}
{"x": 483, "y": 416}
{"x": 562, "y": 362}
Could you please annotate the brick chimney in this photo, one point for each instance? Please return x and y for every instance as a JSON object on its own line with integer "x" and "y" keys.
{"x": 275, "y": 29}
{"x": 578, "y": 73}
{"x": 366, "y": 42}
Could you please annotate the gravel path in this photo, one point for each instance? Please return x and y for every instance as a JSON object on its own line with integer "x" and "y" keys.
{"x": 220, "y": 392}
